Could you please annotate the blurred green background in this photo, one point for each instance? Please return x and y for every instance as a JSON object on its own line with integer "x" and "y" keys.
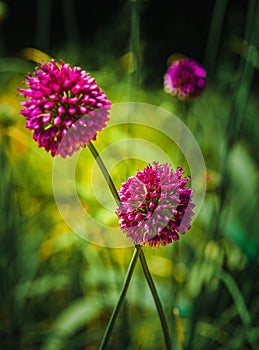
{"x": 57, "y": 291}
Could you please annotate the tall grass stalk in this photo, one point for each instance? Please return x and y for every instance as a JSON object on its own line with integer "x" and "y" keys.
{"x": 214, "y": 37}
{"x": 240, "y": 305}
{"x": 134, "y": 48}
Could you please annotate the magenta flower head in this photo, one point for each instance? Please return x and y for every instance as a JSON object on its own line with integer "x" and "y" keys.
{"x": 60, "y": 98}
{"x": 185, "y": 78}
{"x": 155, "y": 205}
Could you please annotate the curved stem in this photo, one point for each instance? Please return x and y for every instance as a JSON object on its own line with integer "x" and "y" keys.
{"x": 156, "y": 299}
{"x": 120, "y": 301}
{"x": 106, "y": 175}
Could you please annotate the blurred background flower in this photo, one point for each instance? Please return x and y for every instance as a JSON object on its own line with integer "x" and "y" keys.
{"x": 185, "y": 78}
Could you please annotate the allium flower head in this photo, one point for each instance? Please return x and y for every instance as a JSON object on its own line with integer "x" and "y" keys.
{"x": 155, "y": 205}
{"x": 185, "y": 78}
{"x": 57, "y": 97}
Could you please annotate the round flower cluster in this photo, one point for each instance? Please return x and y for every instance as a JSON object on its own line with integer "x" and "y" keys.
{"x": 60, "y": 98}
{"x": 155, "y": 205}
{"x": 185, "y": 78}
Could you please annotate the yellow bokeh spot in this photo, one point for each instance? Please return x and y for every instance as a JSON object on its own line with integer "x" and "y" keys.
{"x": 128, "y": 62}
{"x": 175, "y": 57}
{"x": 160, "y": 266}
{"x": 212, "y": 250}
{"x": 180, "y": 272}
{"x": 35, "y": 55}
{"x": 46, "y": 249}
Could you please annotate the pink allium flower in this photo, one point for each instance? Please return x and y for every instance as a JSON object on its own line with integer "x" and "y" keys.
{"x": 155, "y": 205}
{"x": 185, "y": 78}
{"x": 57, "y": 97}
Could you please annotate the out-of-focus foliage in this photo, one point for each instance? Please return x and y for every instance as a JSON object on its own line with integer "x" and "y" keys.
{"x": 57, "y": 291}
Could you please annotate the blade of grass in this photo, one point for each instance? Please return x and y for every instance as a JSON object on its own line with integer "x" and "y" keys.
{"x": 214, "y": 34}
{"x": 239, "y": 303}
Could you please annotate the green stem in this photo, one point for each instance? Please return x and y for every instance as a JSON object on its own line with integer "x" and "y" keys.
{"x": 138, "y": 253}
{"x": 106, "y": 175}
{"x": 184, "y": 114}
{"x": 156, "y": 299}
{"x": 121, "y": 299}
